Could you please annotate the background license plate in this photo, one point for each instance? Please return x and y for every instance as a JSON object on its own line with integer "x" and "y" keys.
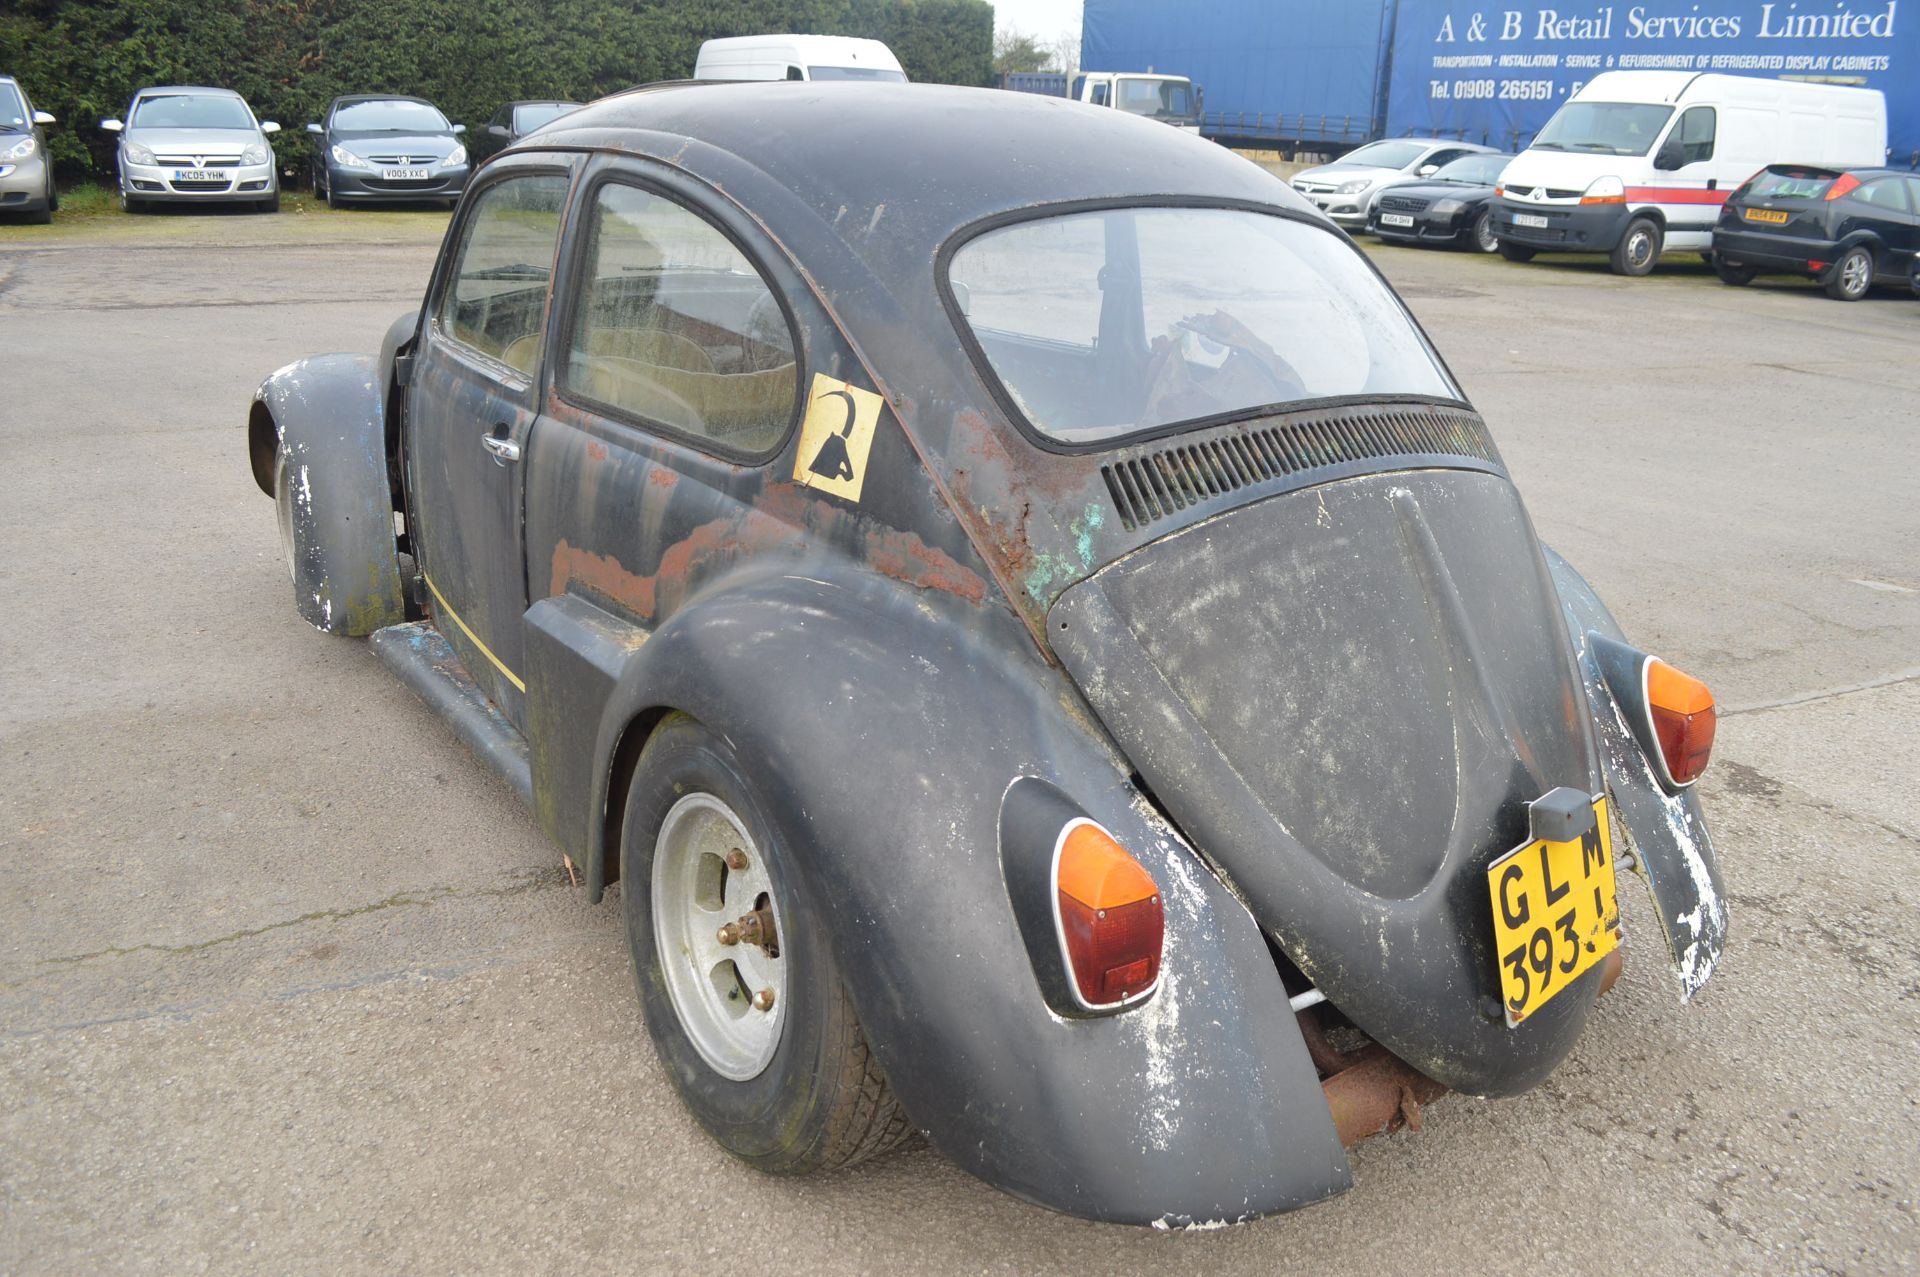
{"x": 1554, "y": 914}
{"x": 1774, "y": 215}
{"x": 404, "y": 174}
{"x": 1528, "y": 219}
{"x": 198, "y": 175}
{"x": 1395, "y": 219}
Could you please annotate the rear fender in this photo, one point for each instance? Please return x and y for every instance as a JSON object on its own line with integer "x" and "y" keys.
{"x": 325, "y": 418}
{"x": 885, "y": 728}
{"x": 1666, "y": 831}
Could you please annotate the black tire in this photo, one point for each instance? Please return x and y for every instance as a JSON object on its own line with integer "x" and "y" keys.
{"x": 130, "y": 203}
{"x": 53, "y": 196}
{"x": 42, "y": 215}
{"x": 821, "y": 1101}
{"x": 271, "y": 204}
{"x": 1481, "y": 237}
{"x": 1850, "y": 277}
{"x": 1638, "y": 251}
{"x": 1733, "y": 273}
{"x": 1515, "y": 252}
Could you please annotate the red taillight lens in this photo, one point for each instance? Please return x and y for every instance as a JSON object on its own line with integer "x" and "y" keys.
{"x": 1683, "y": 720}
{"x": 1112, "y": 922}
{"x": 1841, "y": 185}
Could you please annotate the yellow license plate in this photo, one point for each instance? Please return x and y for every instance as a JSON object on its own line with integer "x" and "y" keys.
{"x": 1554, "y": 914}
{"x": 1776, "y": 216}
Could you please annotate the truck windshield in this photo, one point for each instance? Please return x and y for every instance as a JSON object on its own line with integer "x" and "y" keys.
{"x": 1604, "y": 128}
{"x": 856, "y": 73}
{"x": 1101, "y": 325}
{"x": 1161, "y": 99}
{"x": 190, "y": 111}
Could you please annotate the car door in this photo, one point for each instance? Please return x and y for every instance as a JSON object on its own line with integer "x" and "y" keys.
{"x": 1879, "y": 208}
{"x": 473, "y": 400}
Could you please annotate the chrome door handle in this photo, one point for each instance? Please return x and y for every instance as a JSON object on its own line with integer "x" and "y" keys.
{"x": 503, "y": 448}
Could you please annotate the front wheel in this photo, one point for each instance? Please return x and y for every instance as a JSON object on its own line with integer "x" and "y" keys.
{"x": 1732, "y": 272}
{"x": 131, "y": 203}
{"x": 1638, "y": 249}
{"x": 1482, "y": 236}
{"x": 1515, "y": 252}
{"x": 1849, "y": 278}
{"x": 271, "y": 204}
{"x": 742, "y": 997}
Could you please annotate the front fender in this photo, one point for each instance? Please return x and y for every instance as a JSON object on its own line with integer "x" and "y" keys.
{"x": 885, "y": 726}
{"x": 1667, "y": 832}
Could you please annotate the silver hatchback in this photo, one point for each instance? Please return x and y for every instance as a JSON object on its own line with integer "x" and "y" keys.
{"x": 26, "y": 175}
{"x": 194, "y": 145}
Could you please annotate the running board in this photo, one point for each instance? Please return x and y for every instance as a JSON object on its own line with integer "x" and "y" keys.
{"x": 428, "y": 665}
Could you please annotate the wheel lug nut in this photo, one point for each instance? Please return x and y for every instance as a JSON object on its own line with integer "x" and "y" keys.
{"x": 729, "y": 933}
{"x": 763, "y": 1000}
{"x": 736, "y": 859}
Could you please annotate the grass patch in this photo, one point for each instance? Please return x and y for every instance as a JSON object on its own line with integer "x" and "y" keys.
{"x": 90, "y": 199}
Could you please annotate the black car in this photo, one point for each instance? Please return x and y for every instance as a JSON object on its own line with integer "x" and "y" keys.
{"x": 1454, "y": 206}
{"x": 514, "y": 120}
{"x": 1049, "y": 653}
{"x": 1847, "y": 228}
{"x": 384, "y": 148}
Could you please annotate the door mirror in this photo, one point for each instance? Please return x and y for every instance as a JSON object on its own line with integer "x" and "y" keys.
{"x": 1672, "y": 155}
{"x": 315, "y": 129}
{"x": 1428, "y": 170}
{"x": 268, "y": 126}
{"x": 459, "y": 128}
{"x": 112, "y": 126}
{"x": 41, "y": 117}
{"x": 497, "y": 130}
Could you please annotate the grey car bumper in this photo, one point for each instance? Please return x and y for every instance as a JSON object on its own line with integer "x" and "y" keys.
{"x": 23, "y": 185}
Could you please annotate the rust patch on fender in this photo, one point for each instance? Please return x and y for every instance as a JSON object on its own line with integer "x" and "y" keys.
{"x": 905, "y": 557}
{"x": 596, "y": 451}
{"x": 651, "y": 596}
{"x": 602, "y": 574}
{"x": 661, "y": 477}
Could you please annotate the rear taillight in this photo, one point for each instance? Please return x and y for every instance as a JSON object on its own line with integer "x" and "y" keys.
{"x": 1683, "y": 717}
{"x": 1109, "y": 915}
{"x": 1841, "y": 185}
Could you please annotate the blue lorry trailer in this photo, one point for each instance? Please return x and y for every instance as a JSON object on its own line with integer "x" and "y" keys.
{"x": 1328, "y": 75}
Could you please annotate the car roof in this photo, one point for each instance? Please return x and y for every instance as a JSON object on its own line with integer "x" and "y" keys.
{"x": 915, "y": 162}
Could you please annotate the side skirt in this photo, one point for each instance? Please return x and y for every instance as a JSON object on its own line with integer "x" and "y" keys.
{"x": 426, "y": 663}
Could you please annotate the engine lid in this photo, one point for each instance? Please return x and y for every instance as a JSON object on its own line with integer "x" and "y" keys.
{"x": 1347, "y": 696}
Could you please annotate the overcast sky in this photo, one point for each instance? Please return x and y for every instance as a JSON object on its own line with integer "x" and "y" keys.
{"x": 1047, "y": 20}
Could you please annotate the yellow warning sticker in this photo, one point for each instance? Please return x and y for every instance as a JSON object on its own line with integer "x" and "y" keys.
{"x": 836, "y": 437}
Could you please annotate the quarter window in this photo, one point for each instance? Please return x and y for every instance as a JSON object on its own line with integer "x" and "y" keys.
{"x": 1888, "y": 193}
{"x": 673, "y": 325}
{"x": 496, "y": 300}
{"x": 1695, "y": 133}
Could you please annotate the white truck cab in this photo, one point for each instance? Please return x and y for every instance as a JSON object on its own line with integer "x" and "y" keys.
{"x": 797, "y": 57}
{"x": 1171, "y": 99}
{"x": 1638, "y": 162}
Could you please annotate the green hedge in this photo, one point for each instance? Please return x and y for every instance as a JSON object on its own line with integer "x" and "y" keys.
{"x": 83, "y": 59}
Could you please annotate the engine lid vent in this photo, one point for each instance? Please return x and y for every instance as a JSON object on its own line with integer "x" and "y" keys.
{"x": 1154, "y": 483}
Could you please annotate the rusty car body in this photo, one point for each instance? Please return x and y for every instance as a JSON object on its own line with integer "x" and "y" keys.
{"x": 830, "y": 459}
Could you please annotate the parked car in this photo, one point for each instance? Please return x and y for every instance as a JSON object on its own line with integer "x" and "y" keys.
{"x": 1638, "y": 162}
{"x": 513, "y": 121}
{"x": 1454, "y": 206}
{"x": 1345, "y": 189}
{"x": 379, "y": 148}
{"x": 1847, "y": 228}
{"x": 796, "y": 57}
{"x": 188, "y": 144}
{"x": 1053, "y": 658}
{"x": 26, "y": 174}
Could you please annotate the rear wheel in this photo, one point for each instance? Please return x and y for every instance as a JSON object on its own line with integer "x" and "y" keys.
{"x": 1849, "y": 278}
{"x": 1638, "y": 249}
{"x": 1733, "y": 272}
{"x": 742, "y": 997}
{"x": 1482, "y": 236}
{"x": 1515, "y": 252}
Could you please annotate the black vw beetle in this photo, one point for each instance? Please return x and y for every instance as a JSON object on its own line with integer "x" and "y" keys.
{"x": 1049, "y": 653}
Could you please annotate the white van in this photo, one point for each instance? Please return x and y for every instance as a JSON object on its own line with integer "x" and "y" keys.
{"x": 1171, "y": 99}
{"x": 1638, "y": 162}
{"x": 797, "y": 57}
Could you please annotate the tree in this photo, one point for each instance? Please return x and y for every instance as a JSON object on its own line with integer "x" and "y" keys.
{"x": 1016, "y": 51}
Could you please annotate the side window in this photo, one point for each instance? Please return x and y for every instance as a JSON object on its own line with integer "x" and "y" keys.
{"x": 1695, "y": 132}
{"x": 795, "y": 73}
{"x": 1099, "y": 95}
{"x": 1439, "y": 158}
{"x": 1886, "y": 193}
{"x": 496, "y": 296}
{"x": 1913, "y": 193}
{"x": 673, "y": 325}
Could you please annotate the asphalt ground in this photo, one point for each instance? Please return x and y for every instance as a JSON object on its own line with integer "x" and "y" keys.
{"x": 289, "y": 984}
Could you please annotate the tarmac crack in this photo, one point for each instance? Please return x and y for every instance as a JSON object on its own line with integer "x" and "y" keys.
{"x": 1826, "y": 694}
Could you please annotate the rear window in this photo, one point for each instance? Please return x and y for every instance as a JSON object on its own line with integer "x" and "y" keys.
{"x": 856, "y": 73}
{"x": 1101, "y": 325}
{"x": 1791, "y": 184}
